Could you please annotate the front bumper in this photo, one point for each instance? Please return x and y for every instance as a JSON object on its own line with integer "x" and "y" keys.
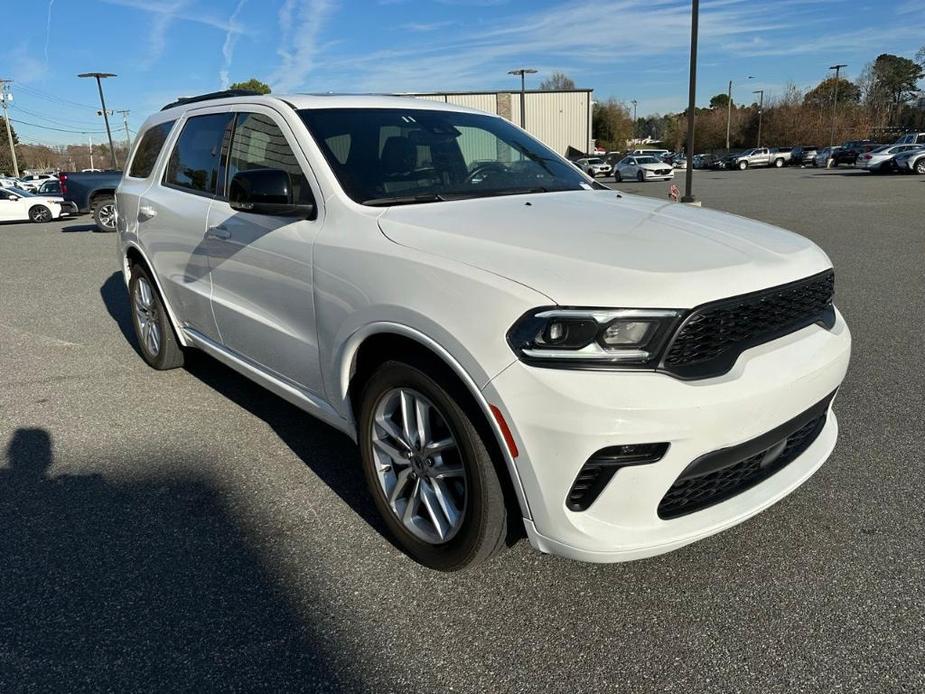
{"x": 68, "y": 209}
{"x": 559, "y": 418}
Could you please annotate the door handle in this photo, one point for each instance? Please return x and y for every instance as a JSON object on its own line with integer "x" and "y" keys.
{"x": 219, "y": 232}
{"x": 146, "y": 212}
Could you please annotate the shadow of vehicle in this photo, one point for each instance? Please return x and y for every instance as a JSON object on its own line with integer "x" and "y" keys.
{"x": 142, "y": 586}
{"x": 329, "y": 454}
{"x": 77, "y": 228}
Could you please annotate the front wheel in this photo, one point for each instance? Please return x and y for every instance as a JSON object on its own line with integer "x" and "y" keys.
{"x": 104, "y": 214}
{"x": 617, "y": 177}
{"x": 640, "y": 176}
{"x": 40, "y": 214}
{"x": 920, "y": 166}
{"x": 429, "y": 470}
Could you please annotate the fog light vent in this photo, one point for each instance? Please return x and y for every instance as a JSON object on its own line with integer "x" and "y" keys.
{"x": 603, "y": 465}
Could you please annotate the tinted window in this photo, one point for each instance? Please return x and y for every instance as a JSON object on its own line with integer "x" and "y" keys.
{"x": 148, "y": 150}
{"x": 405, "y": 156}
{"x": 260, "y": 144}
{"x": 195, "y": 162}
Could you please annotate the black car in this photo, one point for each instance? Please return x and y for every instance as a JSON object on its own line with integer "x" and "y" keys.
{"x": 803, "y": 155}
{"x": 850, "y": 151}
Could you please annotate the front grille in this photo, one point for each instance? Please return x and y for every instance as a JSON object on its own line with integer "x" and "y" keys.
{"x": 714, "y": 335}
{"x": 662, "y": 172}
{"x": 705, "y": 483}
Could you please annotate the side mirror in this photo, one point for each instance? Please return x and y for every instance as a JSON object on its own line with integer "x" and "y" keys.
{"x": 267, "y": 191}
{"x": 10, "y": 196}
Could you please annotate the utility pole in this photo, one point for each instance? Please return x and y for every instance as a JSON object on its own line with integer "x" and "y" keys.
{"x": 6, "y": 96}
{"x": 760, "y": 93}
{"x": 837, "y": 69}
{"x": 729, "y": 111}
{"x": 634, "y": 121}
{"x": 99, "y": 85}
{"x": 522, "y": 71}
{"x": 90, "y": 138}
{"x": 691, "y": 104}
{"x": 128, "y": 138}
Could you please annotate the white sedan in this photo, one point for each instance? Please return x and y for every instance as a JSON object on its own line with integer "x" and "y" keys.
{"x": 17, "y": 205}
{"x": 643, "y": 168}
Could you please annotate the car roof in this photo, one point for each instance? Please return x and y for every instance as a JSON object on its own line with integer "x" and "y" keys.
{"x": 318, "y": 101}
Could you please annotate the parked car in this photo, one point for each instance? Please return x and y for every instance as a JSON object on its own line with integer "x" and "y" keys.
{"x": 883, "y": 159}
{"x": 94, "y": 193}
{"x": 911, "y": 139}
{"x": 803, "y": 155}
{"x": 912, "y": 161}
{"x": 678, "y": 161}
{"x": 50, "y": 188}
{"x": 849, "y": 151}
{"x": 594, "y": 166}
{"x": 643, "y": 168}
{"x": 18, "y": 205}
{"x": 528, "y": 349}
{"x": 31, "y": 182}
{"x": 760, "y": 156}
{"x": 823, "y": 156}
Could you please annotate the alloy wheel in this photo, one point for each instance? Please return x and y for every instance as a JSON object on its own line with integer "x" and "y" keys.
{"x": 149, "y": 327}
{"x": 418, "y": 465}
{"x": 920, "y": 166}
{"x": 41, "y": 215}
{"x": 107, "y": 215}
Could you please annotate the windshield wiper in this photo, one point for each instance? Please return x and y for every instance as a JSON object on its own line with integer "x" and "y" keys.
{"x": 404, "y": 199}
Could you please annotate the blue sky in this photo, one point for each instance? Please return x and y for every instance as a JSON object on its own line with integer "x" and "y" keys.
{"x": 628, "y": 49}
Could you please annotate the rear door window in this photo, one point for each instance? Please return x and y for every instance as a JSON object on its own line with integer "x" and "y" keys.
{"x": 149, "y": 149}
{"x": 195, "y": 163}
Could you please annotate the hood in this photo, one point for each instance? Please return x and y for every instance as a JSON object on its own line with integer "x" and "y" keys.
{"x": 607, "y": 249}
{"x": 655, "y": 167}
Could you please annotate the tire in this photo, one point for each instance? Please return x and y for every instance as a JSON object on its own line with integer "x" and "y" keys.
{"x": 39, "y": 214}
{"x": 157, "y": 341}
{"x": 104, "y": 214}
{"x": 617, "y": 177}
{"x": 640, "y": 176}
{"x": 742, "y": 165}
{"x": 474, "y": 487}
{"x": 920, "y": 166}
{"x": 778, "y": 163}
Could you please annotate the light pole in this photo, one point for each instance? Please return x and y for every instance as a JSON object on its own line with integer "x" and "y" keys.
{"x": 100, "y": 76}
{"x": 760, "y": 93}
{"x": 837, "y": 69}
{"x": 691, "y": 104}
{"x": 522, "y": 71}
{"x": 5, "y": 96}
{"x": 729, "y": 111}
{"x": 633, "y": 102}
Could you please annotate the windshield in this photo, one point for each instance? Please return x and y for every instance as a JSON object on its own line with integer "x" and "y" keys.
{"x": 646, "y": 160}
{"x": 595, "y": 161}
{"x": 20, "y": 192}
{"x": 404, "y": 156}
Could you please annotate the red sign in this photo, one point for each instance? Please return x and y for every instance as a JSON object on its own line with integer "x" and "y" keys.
{"x": 674, "y": 193}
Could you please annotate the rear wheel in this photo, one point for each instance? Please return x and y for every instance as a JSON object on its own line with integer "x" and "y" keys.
{"x": 778, "y": 163}
{"x": 920, "y": 166}
{"x": 40, "y": 214}
{"x": 640, "y": 176}
{"x": 743, "y": 165}
{"x": 156, "y": 339}
{"x": 104, "y": 214}
{"x": 429, "y": 470}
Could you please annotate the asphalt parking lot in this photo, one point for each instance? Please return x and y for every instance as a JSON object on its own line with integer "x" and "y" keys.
{"x": 188, "y": 530}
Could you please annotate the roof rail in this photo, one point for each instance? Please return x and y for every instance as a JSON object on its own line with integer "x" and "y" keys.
{"x": 211, "y": 95}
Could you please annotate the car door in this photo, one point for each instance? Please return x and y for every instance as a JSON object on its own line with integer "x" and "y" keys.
{"x": 261, "y": 265}
{"x": 629, "y": 168}
{"x": 9, "y": 208}
{"x": 173, "y": 215}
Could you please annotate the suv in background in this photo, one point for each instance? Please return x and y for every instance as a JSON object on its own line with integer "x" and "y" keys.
{"x": 510, "y": 344}
{"x": 594, "y": 166}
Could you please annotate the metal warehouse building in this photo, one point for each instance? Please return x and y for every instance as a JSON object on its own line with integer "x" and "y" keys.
{"x": 560, "y": 119}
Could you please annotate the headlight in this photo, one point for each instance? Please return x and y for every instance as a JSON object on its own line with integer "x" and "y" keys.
{"x": 595, "y": 338}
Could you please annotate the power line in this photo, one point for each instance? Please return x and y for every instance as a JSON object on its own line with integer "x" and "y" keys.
{"x": 55, "y": 121}
{"x": 52, "y": 97}
{"x": 60, "y": 130}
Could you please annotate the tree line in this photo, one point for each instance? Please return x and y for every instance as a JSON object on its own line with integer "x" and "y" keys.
{"x": 879, "y": 105}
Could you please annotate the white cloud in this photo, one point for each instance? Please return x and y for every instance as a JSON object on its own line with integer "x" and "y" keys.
{"x": 301, "y": 22}
{"x": 231, "y": 38}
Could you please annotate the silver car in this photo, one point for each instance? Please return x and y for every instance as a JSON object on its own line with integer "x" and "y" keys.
{"x": 883, "y": 159}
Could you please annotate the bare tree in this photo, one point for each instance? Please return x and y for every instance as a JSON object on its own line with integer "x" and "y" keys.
{"x": 557, "y": 81}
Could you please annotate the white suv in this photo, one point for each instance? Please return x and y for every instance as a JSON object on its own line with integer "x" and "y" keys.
{"x": 512, "y": 346}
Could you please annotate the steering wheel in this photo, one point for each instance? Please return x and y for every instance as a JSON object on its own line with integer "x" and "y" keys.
{"x": 484, "y": 170}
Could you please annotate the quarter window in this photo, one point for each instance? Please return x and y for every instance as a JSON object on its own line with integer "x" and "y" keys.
{"x": 195, "y": 163}
{"x": 259, "y": 144}
{"x": 149, "y": 149}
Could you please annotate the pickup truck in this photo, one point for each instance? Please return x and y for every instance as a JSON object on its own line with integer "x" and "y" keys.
{"x": 94, "y": 193}
{"x": 761, "y": 156}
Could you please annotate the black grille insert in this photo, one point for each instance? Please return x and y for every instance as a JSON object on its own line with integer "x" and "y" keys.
{"x": 720, "y": 475}
{"x": 603, "y": 465}
{"x": 713, "y": 336}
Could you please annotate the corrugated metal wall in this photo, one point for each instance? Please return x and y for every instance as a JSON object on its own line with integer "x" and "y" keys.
{"x": 559, "y": 119}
